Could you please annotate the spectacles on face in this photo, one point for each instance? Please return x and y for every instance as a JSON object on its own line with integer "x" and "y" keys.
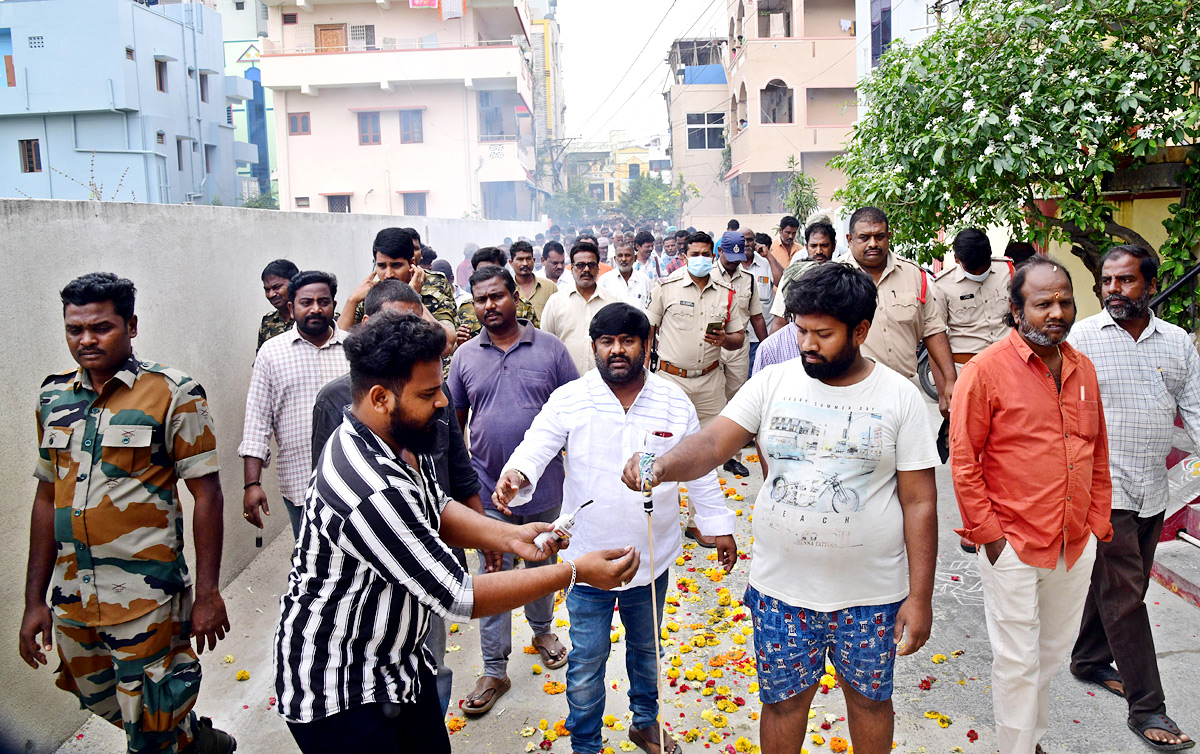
{"x": 582, "y": 266}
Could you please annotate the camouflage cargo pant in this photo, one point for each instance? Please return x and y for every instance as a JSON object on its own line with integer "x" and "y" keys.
{"x": 142, "y": 676}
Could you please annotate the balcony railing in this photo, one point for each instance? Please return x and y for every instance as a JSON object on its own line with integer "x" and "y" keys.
{"x": 276, "y": 47}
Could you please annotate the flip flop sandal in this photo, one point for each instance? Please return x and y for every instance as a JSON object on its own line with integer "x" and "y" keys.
{"x": 646, "y": 737}
{"x": 497, "y": 687}
{"x": 1100, "y": 677}
{"x": 545, "y": 653}
{"x": 1160, "y": 722}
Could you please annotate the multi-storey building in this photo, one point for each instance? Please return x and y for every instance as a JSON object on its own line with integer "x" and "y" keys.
{"x": 607, "y": 168}
{"x": 791, "y": 70}
{"x": 244, "y": 23}
{"x": 549, "y": 105}
{"x": 698, "y": 107}
{"x": 391, "y": 108}
{"x": 115, "y": 100}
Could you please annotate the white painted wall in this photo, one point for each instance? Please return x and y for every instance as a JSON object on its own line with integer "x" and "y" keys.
{"x": 199, "y": 303}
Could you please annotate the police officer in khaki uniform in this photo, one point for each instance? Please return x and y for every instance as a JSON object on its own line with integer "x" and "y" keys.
{"x": 908, "y": 309}
{"x": 736, "y": 364}
{"x": 974, "y": 295}
{"x": 974, "y": 299}
{"x": 693, "y": 317}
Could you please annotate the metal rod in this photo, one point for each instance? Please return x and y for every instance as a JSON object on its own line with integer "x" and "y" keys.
{"x": 1187, "y": 538}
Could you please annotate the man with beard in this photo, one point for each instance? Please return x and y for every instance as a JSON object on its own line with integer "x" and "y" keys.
{"x": 351, "y": 671}
{"x": 534, "y": 289}
{"x": 629, "y": 283}
{"x": 275, "y": 277}
{"x": 1031, "y": 396}
{"x": 568, "y": 312}
{"x": 289, "y": 372}
{"x": 503, "y": 377}
{"x": 616, "y": 409}
{"x": 1148, "y": 371}
{"x": 845, "y": 529}
{"x": 451, "y": 462}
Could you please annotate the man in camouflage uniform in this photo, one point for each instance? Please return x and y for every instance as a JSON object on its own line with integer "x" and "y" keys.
{"x": 275, "y": 277}
{"x": 115, "y": 436}
{"x": 468, "y": 323}
{"x": 395, "y": 254}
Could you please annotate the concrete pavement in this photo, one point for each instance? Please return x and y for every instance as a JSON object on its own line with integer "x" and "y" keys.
{"x": 1083, "y": 718}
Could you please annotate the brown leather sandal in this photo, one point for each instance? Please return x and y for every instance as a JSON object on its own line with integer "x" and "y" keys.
{"x": 488, "y": 690}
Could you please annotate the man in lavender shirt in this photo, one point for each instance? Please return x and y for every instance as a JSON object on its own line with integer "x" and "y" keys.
{"x": 503, "y": 376}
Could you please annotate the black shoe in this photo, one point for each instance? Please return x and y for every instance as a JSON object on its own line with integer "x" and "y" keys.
{"x": 210, "y": 740}
{"x": 735, "y": 468}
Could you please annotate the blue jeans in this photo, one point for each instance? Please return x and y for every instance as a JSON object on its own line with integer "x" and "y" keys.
{"x": 295, "y": 513}
{"x": 591, "y": 613}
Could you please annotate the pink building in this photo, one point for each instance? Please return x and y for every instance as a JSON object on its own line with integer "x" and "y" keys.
{"x": 384, "y": 108}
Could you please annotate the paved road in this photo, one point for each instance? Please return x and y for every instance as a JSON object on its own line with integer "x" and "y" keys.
{"x": 1083, "y": 719}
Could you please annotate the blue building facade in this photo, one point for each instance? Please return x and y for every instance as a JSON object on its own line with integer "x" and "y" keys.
{"x": 119, "y": 101}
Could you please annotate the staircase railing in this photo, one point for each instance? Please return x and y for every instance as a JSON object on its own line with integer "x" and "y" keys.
{"x": 1187, "y": 283}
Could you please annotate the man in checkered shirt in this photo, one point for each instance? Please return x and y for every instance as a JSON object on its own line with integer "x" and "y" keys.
{"x": 288, "y": 373}
{"x": 1148, "y": 370}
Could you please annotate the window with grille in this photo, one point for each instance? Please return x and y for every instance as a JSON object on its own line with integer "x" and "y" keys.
{"x": 129, "y": 53}
{"x": 210, "y": 157}
{"x": 229, "y": 115}
{"x": 339, "y": 203}
{"x": 160, "y": 75}
{"x": 204, "y": 87}
{"x": 414, "y": 205}
{"x": 411, "y": 127}
{"x": 706, "y": 130}
{"x": 301, "y": 202}
{"x": 239, "y": 5}
{"x": 160, "y": 137}
{"x": 362, "y": 37}
{"x": 36, "y": 43}
{"x": 368, "y": 129}
{"x": 635, "y": 170}
{"x": 289, "y": 18}
{"x": 298, "y": 124}
{"x": 31, "y": 156}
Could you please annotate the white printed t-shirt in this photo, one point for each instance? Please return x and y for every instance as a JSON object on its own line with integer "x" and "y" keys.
{"x": 828, "y": 529}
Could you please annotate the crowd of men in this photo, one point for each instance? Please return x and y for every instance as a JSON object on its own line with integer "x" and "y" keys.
{"x": 442, "y": 410}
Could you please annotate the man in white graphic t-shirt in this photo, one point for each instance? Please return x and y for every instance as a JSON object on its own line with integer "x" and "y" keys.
{"x": 845, "y": 525}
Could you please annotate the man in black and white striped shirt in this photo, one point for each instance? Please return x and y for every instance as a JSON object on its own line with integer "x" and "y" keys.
{"x": 373, "y": 559}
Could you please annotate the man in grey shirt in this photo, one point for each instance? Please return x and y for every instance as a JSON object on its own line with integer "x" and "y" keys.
{"x": 502, "y": 377}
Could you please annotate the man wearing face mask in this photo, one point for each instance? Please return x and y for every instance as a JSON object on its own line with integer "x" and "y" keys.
{"x": 693, "y": 316}
{"x": 973, "y": 298}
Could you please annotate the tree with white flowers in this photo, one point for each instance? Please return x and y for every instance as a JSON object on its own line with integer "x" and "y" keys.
{"x": 1017, "y": 101}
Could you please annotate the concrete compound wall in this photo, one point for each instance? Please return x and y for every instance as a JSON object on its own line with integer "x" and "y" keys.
{"x": 199, "y": 303}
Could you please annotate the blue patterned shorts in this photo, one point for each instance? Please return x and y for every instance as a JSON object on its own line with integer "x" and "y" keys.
{"x": 791, "y": 644}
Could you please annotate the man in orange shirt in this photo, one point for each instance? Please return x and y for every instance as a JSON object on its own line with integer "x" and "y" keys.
{"x": 782, "y": 250}
{"x": 1031, "y": 396}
